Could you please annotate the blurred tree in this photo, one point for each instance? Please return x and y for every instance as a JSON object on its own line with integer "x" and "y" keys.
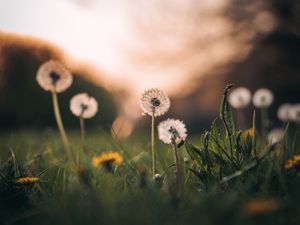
{"x": 23, "y": 104}
{"x": 262, "y": 37}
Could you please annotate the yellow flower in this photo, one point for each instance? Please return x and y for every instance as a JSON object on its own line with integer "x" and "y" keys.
{"x": 247, "y": 132}
{"x": 107, "y": 159}
{"x": 27, "y": 180}
{"x": 261, "y": 206}
{"x": 292, "y": 163}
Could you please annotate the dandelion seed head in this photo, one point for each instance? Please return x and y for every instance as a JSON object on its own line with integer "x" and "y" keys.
{"x": 54, "y": 76}
{"x": 276, "y": 135}
{"x": 83, "y": 105}
{"x": 263, "y": 98}
{"x": 240, "y": 98}
{"x": 172, "y": 130}
{"x": 284, "y": 112}
{"x": 295, "y": 113}
{"x": 157, "y": 176}
{"x": 154, "y": 101}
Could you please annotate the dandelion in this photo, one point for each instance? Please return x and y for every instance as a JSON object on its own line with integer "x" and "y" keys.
{"x": 155, "y": 103}
{"x": 159, "y": 179}
{"x": 108, "y": 160}
{"x": 261, "y": 206}
{"x": 85, "y": 107}
{"x": 54, "y": 77}
{"x": 240, "y": 98}
{"x": 293, "y": 163}
{"x": 27, "y": 180}
{"x": 275, "y": 136}
{"x": 284, "y": 112}
{"x": 248, "y": 133}
{"x": 173, "y": 132}
{"x": 295, "y": 113}
{"x": 262, "y": 99}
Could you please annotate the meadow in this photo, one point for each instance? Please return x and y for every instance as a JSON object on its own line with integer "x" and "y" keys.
{"x": 264, "y": 194}
{"x": 221, "y": 176}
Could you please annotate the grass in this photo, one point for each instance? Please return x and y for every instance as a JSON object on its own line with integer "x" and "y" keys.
{"x": 228, "y": 178}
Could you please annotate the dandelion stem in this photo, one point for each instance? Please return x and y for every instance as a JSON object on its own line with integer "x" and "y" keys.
{"x": 152, "y": 146}
{"x": 254, "y": 133}
{"x": 264, "y": 122}
{"x": 177, "y": 171}
{"x": 241, "y": 121}
{"x": 61, "y": 129}
{"x": 82, "y": 128}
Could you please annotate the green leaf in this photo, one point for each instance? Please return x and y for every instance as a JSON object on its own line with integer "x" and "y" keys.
{"x": 207, "y": 158}
{"x": 226, "y": 112}
{"x": 217, "y": 137}
{"x": 195, "y": 153}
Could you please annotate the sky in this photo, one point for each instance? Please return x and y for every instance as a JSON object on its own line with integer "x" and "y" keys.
{"x": 88, "y": 34}
{"x": 135, "y": 45}
{"x": 130, "y": 42}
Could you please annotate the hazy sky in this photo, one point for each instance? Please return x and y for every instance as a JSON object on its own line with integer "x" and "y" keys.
{"x": 90, "y": 34}
{"x": 136, "y": 45}
{"x": 140, "y": 44}
{"x": 108, "y": 33}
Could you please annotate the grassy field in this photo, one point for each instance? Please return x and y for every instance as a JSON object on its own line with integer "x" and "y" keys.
{"x": 227, "y": 177}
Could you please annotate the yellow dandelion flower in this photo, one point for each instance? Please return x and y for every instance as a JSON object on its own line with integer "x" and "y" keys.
{"x": 108, "y": 159}
{"x": 289, "y": 164}
{"x": 261, "y": 206}
{"x": 27, "y": 180}
{"x": 297, "y": 158}
{"x": 247, "y": 132}
{"x": 292, "y": 163}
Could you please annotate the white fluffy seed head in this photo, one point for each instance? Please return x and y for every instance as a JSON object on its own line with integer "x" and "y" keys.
{"x": 240, "y": 97}
{"x": 172, "y": 130}
{"x": 276, "y": 135}
{"x": 54, "y": 76}
{"x": 154, "y": 101}
{"x": 263, "y": 98}
{"x": 157, "y": 176}
{"x": 284, "y": 112}
{"x": 82, "y": 105}
{"x": 295, "y": 113}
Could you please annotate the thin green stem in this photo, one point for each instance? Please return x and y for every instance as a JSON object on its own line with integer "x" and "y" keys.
{"x": 62, "y": 129}
{"x": 177, "y": 171}
{"x": 153, "y": 145}
{"x": 82, "y": 129}
{"x": 254, "y": 133}
{"x": 264, "y": 123}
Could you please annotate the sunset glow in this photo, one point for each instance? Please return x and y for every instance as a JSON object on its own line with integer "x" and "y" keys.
{"x": 133, "y": 46}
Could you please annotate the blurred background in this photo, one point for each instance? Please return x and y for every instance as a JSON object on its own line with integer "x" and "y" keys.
{"x": 116, "y": 49}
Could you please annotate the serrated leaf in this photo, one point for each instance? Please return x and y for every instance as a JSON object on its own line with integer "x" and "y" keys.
{"x": 226, "y": 112}
{"x": 194, "y": 152}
